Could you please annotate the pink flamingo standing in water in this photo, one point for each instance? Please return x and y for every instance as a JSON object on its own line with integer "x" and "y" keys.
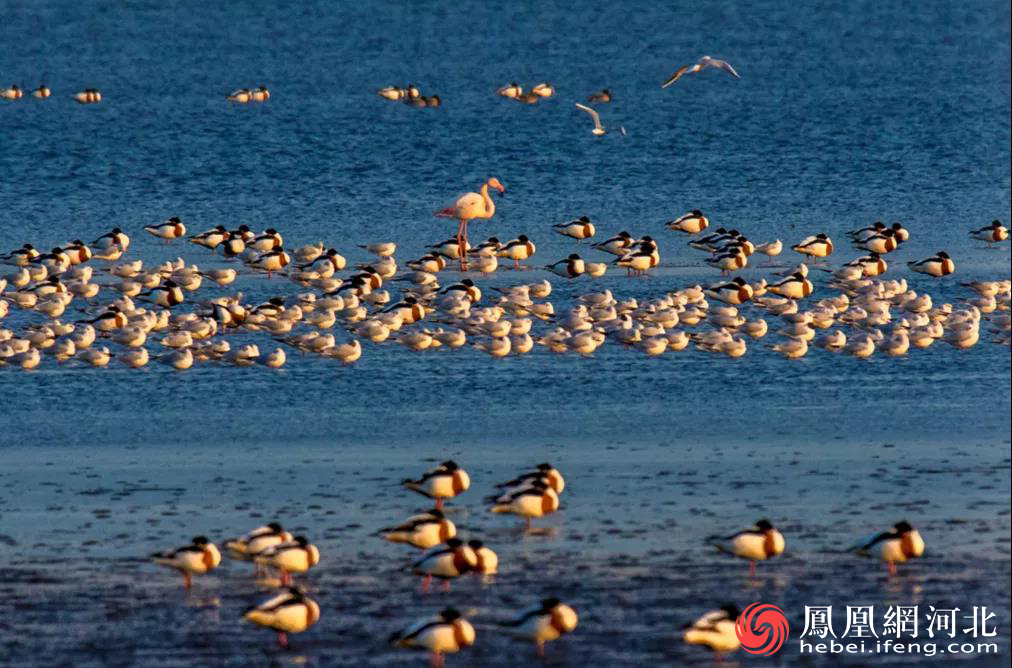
{"x": 468, "y": 207}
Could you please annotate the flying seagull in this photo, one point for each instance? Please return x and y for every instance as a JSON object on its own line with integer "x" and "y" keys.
{"x": 598, "y": 129}
{"x": 704, "y": 62}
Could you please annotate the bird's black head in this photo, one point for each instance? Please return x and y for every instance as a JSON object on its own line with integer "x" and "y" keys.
{"x": 903, "y": 526}
{"x": 523, "y": 238}
{"x": 943, "y": 254}
{"x": 739, "y": 280}
{"x": 200, "y": 540}
{"x": 731, "y": 609}
{"x": 450, "y": 614}
{"x": 475, "y": 544}
{"x": 763, "y": 525}
{"x": 549, "y": 603}
{"x": 468, "y": 282}
{"x": 275, "y": 527}
{"x": 574, "y": 256}
{"x": 454, "y": 543}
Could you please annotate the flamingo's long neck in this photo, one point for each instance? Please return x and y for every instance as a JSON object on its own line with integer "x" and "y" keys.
{"x": 489, "y": 204}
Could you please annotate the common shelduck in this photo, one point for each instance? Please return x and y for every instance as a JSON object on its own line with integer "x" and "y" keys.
{"x": 693, "y": 222}
{"x": 289, "y": 612}
{"x": 819, "y": 245}
{"x": 211, "y": 238}
{"x": 12, "y": 92}
{"x": 487, "y": 560}
{"x": 937, "y": 265}
{"x": 270, "y": 240}
{"x": 546, "y": 472}
{"x": 445, "y": 561}
{"x": 617, "y": 245}
{"x": 714, "y": 629}
{"x": 168, "y": 294}
{"x": 795, "y": 286}
{"x": 600, "y": 97}
{"x": 424, "y": 531}
{"x": 896, "y": 546}
{"x": 543, "y": 90}
{"x": 581, "y": 228}
{"x": 757, "y": 543}
{"x": 88, "y": 96}
{"x": 445, "y": 633}
{"x": 543, "y": 622}
{"x": 511, "y": 90}
{"x": 294, "y": 556}
{"x": 569, "y": 267}
{"x": 443, "y": 482}
{"x": 518, "y": 249}
{"x": 115, "y": 236}
{"x": 173, "y": 228}
{"x": 199, "y": 557}
{"x": 532, "y": 501}
{"x": 737, "y": 291}
{"x": 241, "y": 96}
{"x": 992, "y": 234}
{"x": 20, "y": 257}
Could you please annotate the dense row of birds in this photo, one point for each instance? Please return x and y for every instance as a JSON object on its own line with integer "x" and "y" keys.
{"x": 866, "y": 314}
{"x": 412, "y": 96}
{"x": 278, "y": 555}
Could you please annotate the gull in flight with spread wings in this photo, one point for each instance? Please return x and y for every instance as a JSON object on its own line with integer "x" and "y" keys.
{"x": 598, "y": 128}
{"x": 704, "y": 62}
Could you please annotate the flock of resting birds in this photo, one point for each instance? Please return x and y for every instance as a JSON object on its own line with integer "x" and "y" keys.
{"x": 126, "y": 305}
{"x": 530, "y": 495}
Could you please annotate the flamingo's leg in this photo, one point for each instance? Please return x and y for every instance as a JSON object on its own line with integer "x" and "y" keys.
{"x": 462, "y": 244}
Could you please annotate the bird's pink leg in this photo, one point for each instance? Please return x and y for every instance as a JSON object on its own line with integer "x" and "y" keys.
{"x": 282, "y": 640}
{"x": 426, "y": 581}
{"x": 437, "y": 660}
{"x": 462, "y": 244}
{"x": 751, "y": 568}
{"x": 439, "y": 503}
{"x": 539, "y": 649}
{"x": 187, "y": 580}
{"x": 286, "y": 578}
{"x": 892, "y": 567}
{"x": 446, "y": 585}
{"x": 528, "y": 524}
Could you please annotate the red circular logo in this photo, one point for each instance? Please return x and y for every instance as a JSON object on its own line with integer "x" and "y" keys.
{"x": 761, "y": 629}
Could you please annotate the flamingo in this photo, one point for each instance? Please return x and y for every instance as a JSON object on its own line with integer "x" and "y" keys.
{"x": 468, "y": 207}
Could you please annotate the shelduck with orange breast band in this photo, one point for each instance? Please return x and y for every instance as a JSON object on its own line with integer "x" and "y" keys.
{"x": 544, "y": 622}
{"x": 757, "y": 543}
{"x": 199, "y": 557}
{"x": 289, "y": 612}
{"x": 896, "y": 546}
{"x": 443, "y": 482}
{"x": 445, "y": 633}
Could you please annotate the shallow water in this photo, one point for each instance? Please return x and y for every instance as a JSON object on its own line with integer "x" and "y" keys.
{"x": 846, "y": 112}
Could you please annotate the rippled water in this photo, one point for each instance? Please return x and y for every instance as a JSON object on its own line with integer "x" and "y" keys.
{"x": 846, "y": 112}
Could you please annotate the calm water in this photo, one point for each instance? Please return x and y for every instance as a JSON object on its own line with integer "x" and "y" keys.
{"x": 846, "y": 112}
